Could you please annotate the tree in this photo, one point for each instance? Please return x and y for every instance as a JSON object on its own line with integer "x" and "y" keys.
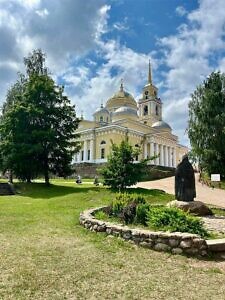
{"x": 121, "y": 170}
{"x": 206, "y": 126}
{"x": 38, "y": 128}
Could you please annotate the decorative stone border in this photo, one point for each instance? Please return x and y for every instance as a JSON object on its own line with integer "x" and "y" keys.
{"x": 175, "y": 242}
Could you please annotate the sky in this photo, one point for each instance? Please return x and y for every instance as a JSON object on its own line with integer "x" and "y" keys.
{"x": 90, "y": 45}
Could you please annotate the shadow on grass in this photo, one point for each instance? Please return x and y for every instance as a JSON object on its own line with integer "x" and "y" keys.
{"x": 40, "y": 190}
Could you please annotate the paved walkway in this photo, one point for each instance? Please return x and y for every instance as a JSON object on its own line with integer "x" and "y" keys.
{"x": 204, "y": 193}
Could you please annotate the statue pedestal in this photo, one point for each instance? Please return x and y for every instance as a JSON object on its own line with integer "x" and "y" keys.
{"x": 197, "y": 208}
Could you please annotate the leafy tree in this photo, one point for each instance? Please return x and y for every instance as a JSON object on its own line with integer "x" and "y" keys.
{"x": 121, "y": 169}
{"x": 38, "y": 127}
{"x": 206, "y": 127}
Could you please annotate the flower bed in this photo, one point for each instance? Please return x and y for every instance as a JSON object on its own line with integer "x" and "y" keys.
{"x": 175, "y": 242}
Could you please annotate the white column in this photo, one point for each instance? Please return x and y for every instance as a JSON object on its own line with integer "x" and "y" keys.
{"x": 169, "y": 156}
{"x": 145, "y": 150}
{"x": 151, "y": 150}
{"x": 91, "y": 150}
{"x": 85, "y": 150}
{"x": 161, "y": 158}
{"x": 157, "y": 153}
{"x": 166, "y": 156}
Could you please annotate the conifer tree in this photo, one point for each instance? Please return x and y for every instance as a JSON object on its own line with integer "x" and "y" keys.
{"x": 206, "y": 127}
{"x": 38, "y": 125}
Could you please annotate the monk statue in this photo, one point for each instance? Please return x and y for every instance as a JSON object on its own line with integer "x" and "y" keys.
{"x": 185, "y": 181}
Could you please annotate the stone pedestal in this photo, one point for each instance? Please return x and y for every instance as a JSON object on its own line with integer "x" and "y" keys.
{"x": 197, "y": 208}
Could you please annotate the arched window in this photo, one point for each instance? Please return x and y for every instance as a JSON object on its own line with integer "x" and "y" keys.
{"x": 136, "y": 145}
{"x": 101, "y": 119}
{"x": 103, "y": 143}
{"x": 145, "y": 112}
{"x": 102, "y": 153}
{"x": 157, "y": 110}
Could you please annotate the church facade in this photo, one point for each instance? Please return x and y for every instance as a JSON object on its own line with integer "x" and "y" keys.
{"x": 140, "y": 121}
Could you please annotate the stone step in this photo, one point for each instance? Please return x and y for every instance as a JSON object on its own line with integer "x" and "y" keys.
{"x": 217, "y": 245}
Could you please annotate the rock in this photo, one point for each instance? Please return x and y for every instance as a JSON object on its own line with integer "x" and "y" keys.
{"x": 191, "y": 251}
{"x": 177, "y": 251}
{"x": 173, "y": 243}
{"x": 186, "y": 244}
{"x": 127, "y": 235}
{"x": 161, "y": 247}
{"x": 197, "y": 208}
{"x": 146, "y": 245}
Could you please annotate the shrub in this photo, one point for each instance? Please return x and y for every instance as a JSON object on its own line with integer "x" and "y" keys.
{"x": 128, "y": 213}
{"x": 174, "y": 219}
{"x": 123, "y": 200}
{"x": 142, "y": 213}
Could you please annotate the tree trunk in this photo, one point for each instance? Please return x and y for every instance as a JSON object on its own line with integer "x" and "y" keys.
{"x": 28, "y": 180}
{"x": 46, "y": 175}
{"x": 10, "y": 176}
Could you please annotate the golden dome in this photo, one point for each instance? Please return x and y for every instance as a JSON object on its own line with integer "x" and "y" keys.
{"x": 121, "y": 98}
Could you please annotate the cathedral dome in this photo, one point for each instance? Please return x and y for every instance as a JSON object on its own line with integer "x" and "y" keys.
{"x": 101, "y": 110}
{"x": 101, "y": 115}
{"x": 161, "y": 125}
{"x": 124, "y": 112}
{"x": 119, "y": 99}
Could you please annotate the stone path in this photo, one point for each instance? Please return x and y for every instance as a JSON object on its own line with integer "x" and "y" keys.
{"x": 215, "y": 223}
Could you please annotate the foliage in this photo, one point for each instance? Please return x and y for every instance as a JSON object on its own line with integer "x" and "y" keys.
{"x": 206, "y": 127}
{"x": 124, "y": 206}
{"x": 174, "y": 219}
{"x": 142, "y": 213}
{"x": 121, "y": 169}
{"x": 101, "y": 215}
{"x": 38, "y": 125}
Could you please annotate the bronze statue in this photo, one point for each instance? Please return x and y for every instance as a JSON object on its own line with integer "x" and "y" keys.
{"x": 185, "y": 181}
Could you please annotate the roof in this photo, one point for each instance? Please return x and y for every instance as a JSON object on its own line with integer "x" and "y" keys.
{"x": 162, "y": 125}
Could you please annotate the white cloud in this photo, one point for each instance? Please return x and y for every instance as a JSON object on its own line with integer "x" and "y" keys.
{"x": 188, "y": 57}
{"x": 65, "y": 30}
{"x": 181, "y": 11}
{"x": 121, "y": 62}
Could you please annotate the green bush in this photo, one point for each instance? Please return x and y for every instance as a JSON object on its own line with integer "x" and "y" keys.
{"x": 123, "y": 200}
{"x": 142, "y": 213}
{"x": 124, "y": 207}
{"x": 174, "y": 219}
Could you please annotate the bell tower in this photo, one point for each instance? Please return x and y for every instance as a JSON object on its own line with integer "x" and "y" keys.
{"x": 150, "y": 106}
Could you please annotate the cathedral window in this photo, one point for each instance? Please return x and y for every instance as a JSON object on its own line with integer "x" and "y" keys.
{"x": 145, "y": 110}
{"x": 88, "y": 155}
{"x": 157, "y": 110}
{"x": 103, "y": 143}
{"x": 101, "y": 119}
{"x": 82, "y": 155}
{"x": 102, "y": 153}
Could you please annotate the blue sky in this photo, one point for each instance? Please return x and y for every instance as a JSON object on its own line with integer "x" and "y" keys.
{"x": 90, "y": 45}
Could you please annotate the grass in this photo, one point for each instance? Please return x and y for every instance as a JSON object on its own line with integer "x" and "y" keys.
{"x": 46, "y": 254}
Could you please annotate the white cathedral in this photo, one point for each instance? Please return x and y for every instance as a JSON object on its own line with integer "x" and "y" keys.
{"x": 140, "y": 121}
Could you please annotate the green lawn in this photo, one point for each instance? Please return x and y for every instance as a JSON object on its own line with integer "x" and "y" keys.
{"x": 46, "y": 254}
